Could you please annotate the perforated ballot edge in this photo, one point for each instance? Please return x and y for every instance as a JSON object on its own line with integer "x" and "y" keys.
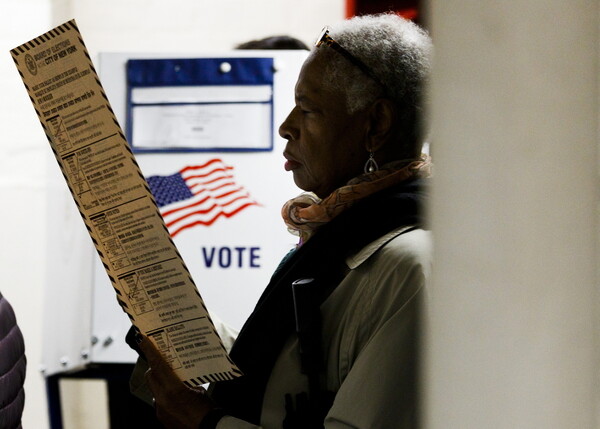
{"x": 151, "y": 280}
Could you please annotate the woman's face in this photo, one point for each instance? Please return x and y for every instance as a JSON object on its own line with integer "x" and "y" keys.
{"x": 326, "y": 145}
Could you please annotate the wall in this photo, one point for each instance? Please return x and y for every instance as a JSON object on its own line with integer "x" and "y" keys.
{"x": 23, "y": 156}
{"x": 513, "y": 338}
{"x": 25, "y": 163}
{"x": 186, "y": 25}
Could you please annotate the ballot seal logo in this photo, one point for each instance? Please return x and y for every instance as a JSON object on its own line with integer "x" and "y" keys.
{"x": 31, "y": 65}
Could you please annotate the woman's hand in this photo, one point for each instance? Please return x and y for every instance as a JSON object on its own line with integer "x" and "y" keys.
{"x": 177, "y": 406}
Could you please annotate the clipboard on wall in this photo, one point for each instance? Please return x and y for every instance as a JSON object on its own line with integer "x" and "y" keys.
{"x": 200, "y": 105}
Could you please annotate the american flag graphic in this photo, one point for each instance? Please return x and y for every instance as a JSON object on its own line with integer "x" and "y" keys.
{"x": 198, "y": 195}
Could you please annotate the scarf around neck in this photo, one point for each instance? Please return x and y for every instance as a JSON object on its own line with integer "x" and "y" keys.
{"x": 306, "y": 213}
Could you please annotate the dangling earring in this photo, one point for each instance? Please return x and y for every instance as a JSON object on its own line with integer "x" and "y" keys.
{"x": 371, "y": 165}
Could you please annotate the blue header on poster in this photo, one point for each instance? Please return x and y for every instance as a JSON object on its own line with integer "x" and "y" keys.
{"x": 199, "y": 71}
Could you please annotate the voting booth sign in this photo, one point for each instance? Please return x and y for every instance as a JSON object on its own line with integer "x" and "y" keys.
{"x": 203, "y": 129}
{"x": 200, "y": 104}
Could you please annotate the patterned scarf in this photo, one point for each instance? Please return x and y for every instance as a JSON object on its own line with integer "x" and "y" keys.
{"x": 304, "y": 214}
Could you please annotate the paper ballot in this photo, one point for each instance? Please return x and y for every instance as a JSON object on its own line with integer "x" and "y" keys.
{"x": 151, "y": 280}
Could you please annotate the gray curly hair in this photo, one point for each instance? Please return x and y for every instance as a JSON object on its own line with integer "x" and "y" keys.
{"x": 397, "y": 51}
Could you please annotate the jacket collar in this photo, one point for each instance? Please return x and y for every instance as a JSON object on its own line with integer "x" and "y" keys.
{"x": 355, "y": 260}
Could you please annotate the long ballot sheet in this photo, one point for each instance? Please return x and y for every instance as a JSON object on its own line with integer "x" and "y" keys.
{"x": 151, "y": 280}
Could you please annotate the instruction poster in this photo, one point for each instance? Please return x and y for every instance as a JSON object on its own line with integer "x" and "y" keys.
{"x": 151, "y": 280}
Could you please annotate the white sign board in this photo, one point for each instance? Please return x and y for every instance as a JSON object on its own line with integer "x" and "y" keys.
{"x": 222, "y": 203}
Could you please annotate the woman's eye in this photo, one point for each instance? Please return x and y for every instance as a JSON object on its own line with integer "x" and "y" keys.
{"x": 305, "y": 110}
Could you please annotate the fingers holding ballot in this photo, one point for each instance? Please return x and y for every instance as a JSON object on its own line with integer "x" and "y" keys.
{"x": 177, "y": 405}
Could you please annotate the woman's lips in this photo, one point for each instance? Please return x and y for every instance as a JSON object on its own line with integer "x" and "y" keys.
{"x": 290, "y": 165}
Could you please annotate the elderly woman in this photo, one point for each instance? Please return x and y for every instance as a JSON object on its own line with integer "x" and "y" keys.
{"x": 339, "y": 348}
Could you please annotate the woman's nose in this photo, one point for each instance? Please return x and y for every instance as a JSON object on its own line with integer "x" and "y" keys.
{"x": 287, "y": 130}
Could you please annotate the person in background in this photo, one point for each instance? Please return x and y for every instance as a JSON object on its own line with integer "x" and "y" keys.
{"x": 12, "y": 368}
{"x": 334, "y": 340}
{"x": 274, "y": 42}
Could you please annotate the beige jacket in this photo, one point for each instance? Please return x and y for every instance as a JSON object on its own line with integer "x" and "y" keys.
{"x": 370, "y": 339}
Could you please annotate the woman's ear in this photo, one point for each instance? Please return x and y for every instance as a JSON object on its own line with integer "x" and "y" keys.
{"x": 381, "y": 124}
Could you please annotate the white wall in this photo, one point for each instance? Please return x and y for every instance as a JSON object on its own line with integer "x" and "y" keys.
{"x": 187, "y": 25}
{"x": 23, "y": 155}
{"x": 513, "y": 340}
{"x": 107, "y": 26}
